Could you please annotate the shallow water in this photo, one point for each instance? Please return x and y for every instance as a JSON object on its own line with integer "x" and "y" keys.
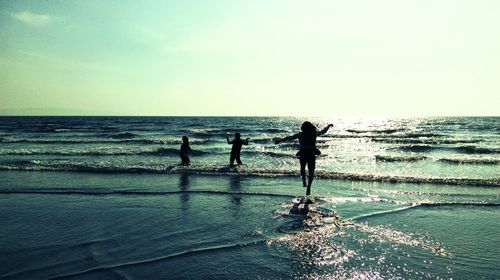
{"x": 184, "y": 226}
{"x": 464, "y": 151}
{"x": 103, "y": 197}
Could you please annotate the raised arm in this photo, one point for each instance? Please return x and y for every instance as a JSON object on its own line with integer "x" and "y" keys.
{"x": 245, "y": 142}
{"x": 229, "y": 142}
{"x": 324, "y": 130}
{"x": 288, "y": 138}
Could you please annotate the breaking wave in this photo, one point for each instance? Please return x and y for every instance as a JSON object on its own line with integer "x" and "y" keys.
{"x": 477, "y": 150}
{"x": 424, "y": 141}
{"x": 387, "y": 131}
{"x": 459, "y": 149}
{"x": 124, "y": 135}
{"x": 145, "y": 141}
{"x": 484, "y": 161}
{"x": 380, "y": 158}
{"x": 98, "y": 152}
{"x": 39, "y": 165}
{"x": 470, "y": 161}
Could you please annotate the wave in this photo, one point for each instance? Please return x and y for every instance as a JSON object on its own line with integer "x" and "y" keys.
{"x": 99, "y": 152}
{"x": 145, "y": 141}
{"x": 57, "y": 141}
{"x": 470, "y": 161}
{"x": 416, "y": 148}
{"x": 344, "y": 136}
{"x": 59, "y": 128}
{"x": 262, "y": 140}
{"x": 163, "y": 152}
{"x": 422, "y": 135}
{"x": 486, "y": 161}
{"x": 121, "y": 152}
{"x": 424, "y": 141}
{"x": 61, "y": 191}
{"x": 477, "y": 150}
{"x": 270, "y": 154}
{"x": 460, "y": 149}
{"x": 405, "y": 137}
{"x": 170, "y": 141}
{"x": 84, "y": 271}
{"x": 124, "y": 135}
{"x": 272, "y": 130}
{"x": 425, "y": 205}
{"x": 169, "y": 152}
{"x": 37, "y": 165}
{"x": 399, "y": 158}
{"x": 207, "y": 132}
{"x": 382, "y": 213}
{"x": 441, "y": 204}
{"x": 386, "y": 131}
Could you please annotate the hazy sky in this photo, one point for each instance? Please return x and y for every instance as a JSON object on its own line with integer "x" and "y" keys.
{"x": 319, "y": 58}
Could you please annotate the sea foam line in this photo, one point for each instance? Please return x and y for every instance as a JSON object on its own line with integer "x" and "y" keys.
{"x": 54, "y": 191}
{"x": 244, "y": 171}
{"x": 425, "y": 205}
{"x": 161, "y": 258}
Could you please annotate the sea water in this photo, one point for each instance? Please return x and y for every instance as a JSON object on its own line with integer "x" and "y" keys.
{"x": 104, "y": 197}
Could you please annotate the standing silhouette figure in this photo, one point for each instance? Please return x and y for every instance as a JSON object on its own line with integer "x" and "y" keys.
{"x": 308, "y": 151}
{"x": 236, "y": 149}
{"x": 185, "y": 150}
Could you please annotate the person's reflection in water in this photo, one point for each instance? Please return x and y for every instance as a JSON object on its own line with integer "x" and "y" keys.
{"x": 235, "y": 189}
{"x": 184, "y": 188}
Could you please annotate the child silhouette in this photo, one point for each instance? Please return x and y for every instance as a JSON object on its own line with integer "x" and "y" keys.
{"x": 236, "y": 149}
{"x": 307, "y": 151}
{"x": 185, "y": 150}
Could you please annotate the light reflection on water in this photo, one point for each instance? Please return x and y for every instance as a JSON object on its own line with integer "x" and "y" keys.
{"x": 192, "y": 224}
{"x": 322, "y": 245}
{"x": 417, "y": 148}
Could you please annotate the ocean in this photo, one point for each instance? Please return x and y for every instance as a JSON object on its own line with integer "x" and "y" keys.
{"x": 106, "y": 198}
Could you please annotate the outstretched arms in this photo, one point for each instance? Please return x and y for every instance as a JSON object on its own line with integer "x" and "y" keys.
{"x": 244, "y": 142}
{"x": 324, "y": 130}
{"x": 291, "y": 137}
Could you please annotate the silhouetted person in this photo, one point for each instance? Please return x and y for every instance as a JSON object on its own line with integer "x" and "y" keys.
{"x": 185, "y": 150}
{"x": 307, "y": 151}
{"x": 236, "y": 149}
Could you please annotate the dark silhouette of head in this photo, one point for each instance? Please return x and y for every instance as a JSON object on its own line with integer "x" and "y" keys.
{"x": 237, "y": 135}
{"x": 185, "y": 139}
{"x": 309, "y": 131}
{"x": 308, "y": 127}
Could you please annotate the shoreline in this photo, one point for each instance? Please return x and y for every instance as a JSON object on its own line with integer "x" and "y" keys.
{"x": 263, "y": 173}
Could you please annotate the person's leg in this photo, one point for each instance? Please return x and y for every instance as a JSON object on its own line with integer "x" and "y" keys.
{"x": 231, "y": 160}
{"x": 185, "y": 159}
{"x": 238, "y": 160}
{"x": 303, "y": 162}
{"x": 311, "y": 165}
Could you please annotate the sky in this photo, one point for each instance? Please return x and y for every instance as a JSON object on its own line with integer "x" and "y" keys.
{"x": 250, "y": 58}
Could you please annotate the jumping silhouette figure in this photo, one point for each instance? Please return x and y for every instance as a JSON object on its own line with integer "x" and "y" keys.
{"x": 185, "y": 150}
{"x": 236, "y": 149}
{"x": 308, "y": 151}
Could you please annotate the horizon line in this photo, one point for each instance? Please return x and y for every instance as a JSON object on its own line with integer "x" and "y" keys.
{"x": 258, "y": 116}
